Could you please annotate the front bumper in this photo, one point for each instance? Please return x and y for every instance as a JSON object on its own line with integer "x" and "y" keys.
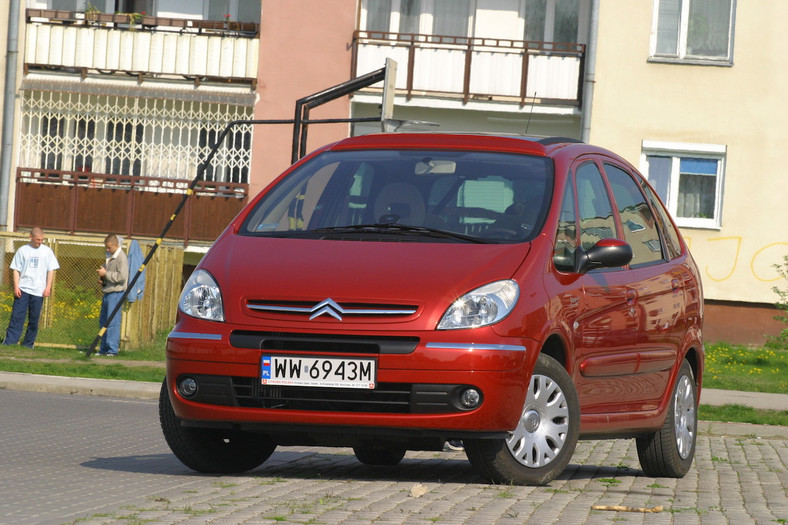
{"x": 420, "y": 377}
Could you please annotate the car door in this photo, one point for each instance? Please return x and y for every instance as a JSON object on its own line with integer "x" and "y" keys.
{"x": 658, "y": 283}
{"x": 606, "y": 330}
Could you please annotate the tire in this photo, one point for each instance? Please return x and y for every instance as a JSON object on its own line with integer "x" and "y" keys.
{"x": 371, "y": 455}
{"x": 669, "y": 452}
{"x": 544, "y": 440}
{"x": 211, "y": 451}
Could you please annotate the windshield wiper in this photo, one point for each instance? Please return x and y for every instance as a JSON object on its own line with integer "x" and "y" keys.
{"x": 395, "y": 228}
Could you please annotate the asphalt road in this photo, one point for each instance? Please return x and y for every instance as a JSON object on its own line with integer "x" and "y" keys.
{"x": 100, "y": 460}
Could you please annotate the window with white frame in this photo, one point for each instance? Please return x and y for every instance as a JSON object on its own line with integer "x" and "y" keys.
{"x": 689, "y": 180}
{"x": 693, "y": 30}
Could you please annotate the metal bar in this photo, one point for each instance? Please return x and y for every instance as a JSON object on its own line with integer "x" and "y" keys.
{"x": 466, "y": 81}
{"x": 200, "y": 171}
{"x": 524, "y": 79}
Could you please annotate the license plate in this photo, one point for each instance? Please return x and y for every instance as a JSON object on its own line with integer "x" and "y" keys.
{"x": 330, "y": 372}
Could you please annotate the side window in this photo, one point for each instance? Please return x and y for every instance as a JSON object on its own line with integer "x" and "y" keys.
{"x": 566, "y": 236}
{"x": 640, "y": 228}
{"x": 594, "y": 209}
{"x": 669, "y": 233}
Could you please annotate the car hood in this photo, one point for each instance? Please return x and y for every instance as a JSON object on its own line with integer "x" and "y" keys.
{"x": 306, "y": 272}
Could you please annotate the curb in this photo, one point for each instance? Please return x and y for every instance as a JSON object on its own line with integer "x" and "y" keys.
{"x": 79, "y": 386}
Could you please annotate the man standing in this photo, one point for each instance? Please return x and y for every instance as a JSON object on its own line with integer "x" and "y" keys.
{"x": 33, "y": 268}
{"x": 114, "y": 274}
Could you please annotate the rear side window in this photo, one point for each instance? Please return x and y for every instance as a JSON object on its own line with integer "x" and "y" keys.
{"x": 640, "y": 228}
{"x": 669, "y": 233}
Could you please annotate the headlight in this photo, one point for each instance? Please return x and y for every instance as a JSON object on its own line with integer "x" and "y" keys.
{"x": 482, "y": 306}
{"x": 201, "y": 297}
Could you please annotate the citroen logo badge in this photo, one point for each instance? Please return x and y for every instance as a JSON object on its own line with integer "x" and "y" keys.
{"x": 327, "y": 307}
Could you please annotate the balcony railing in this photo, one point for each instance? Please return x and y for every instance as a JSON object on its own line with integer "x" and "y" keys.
{"x": 477, "y": 68}
{"x": 144, "y": 46}
{"x": 73, "y": 202}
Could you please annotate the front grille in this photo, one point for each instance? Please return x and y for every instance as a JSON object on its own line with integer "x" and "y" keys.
{"x": 387, "y": 398}
{"x": 323, "y": 343}
{"x": 328, "y": 308}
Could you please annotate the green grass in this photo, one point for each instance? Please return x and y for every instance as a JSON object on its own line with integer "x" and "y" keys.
{"x": 736, "y": 367}
{"x": 743, "y": 414}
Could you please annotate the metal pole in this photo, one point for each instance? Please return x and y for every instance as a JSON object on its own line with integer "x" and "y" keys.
{"x": 9, "y": 102}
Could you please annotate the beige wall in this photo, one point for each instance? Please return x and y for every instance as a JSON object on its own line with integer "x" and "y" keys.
{"x": 742, "y": 107}
{"x": 305, "y": 47}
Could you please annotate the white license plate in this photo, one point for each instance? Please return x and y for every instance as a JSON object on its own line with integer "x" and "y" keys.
{"x": 330, "y": 372}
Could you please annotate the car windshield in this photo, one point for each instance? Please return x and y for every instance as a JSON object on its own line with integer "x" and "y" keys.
{"x": 413, "y": 195}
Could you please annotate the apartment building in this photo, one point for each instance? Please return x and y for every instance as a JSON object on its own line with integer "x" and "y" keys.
{"x": 692, "y": 93}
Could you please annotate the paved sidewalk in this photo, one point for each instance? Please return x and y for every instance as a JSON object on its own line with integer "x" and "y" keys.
{"x": 146, "y": 390}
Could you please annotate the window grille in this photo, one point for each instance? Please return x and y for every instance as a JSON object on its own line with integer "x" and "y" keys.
{"x": 149, "y": 137}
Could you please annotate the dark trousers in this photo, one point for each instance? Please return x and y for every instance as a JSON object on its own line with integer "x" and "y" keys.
{"x": 26, "y": 306}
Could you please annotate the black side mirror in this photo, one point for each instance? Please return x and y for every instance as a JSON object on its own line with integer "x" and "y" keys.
{"x": 607, "y": 253}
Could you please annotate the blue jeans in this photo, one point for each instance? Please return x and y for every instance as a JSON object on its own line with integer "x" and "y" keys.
{"x": 26, "y": 306}
{"x": 110, "y": 341}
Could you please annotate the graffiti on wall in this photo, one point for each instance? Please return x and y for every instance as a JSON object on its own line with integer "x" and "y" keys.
{"x": 729, "y": 256}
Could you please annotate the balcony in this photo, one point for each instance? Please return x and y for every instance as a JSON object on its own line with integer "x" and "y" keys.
{"x": 485, "y": 69}
{"x": 144, "y": 46}
{"x": 78, "y": 202}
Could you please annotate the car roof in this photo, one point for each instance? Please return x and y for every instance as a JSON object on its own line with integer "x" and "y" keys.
{"x": 534, "y": 145}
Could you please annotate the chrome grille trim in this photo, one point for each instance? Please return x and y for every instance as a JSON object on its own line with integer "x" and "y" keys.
{"x": 330, "y": 308}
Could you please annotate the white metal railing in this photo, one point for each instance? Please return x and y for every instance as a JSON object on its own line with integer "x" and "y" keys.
{"x": 476, "y": 68}
{"x": 135, "y": 49}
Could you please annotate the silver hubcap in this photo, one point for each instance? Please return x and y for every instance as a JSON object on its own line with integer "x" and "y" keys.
{"x": 684, "y": 419}
{"x": 543, "y": 426}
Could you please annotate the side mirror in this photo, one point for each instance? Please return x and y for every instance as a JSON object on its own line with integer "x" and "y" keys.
{"x": 607, "y": 253}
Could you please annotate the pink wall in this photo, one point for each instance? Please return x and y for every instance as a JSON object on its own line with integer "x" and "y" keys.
{"x": 305, "y": 47}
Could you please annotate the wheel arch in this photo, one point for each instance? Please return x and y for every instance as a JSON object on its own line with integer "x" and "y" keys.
{"x": 556, "y": 347}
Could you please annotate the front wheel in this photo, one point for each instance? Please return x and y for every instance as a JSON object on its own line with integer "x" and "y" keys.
{"x": 543, "y": 442}
{"x": 669, "y": 452}
{"x": 211, "y": 451}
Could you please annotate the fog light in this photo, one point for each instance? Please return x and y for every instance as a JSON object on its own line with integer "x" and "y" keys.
{"x": 187, "y": 387}
{"x": 470, "y": 398}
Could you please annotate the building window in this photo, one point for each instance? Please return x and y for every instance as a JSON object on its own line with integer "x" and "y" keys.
{"x": 552, "y": 20}
{"x": 693, "y": 30}
{"x": 438, "y": 17}
{"x": 240, "y": 10}
{"x": 689, "y": 180}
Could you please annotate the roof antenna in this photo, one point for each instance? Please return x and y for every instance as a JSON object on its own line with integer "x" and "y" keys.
{"x": 528, "y": 124}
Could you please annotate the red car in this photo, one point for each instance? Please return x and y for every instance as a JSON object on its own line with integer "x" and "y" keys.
{"x": 394, "y": 292}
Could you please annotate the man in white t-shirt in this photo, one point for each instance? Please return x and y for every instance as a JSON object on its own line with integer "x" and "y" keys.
{"x": 33, "y": 267}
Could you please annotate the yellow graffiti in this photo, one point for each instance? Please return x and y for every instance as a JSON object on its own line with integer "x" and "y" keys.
{"x": 755, "y": 256}
{"x": 735, "y": 258}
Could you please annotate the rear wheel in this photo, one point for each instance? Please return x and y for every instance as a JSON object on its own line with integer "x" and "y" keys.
{"x": 669, "y": 452}
{"x": 543, "y": 442}
{"x": 377, "y": 455}
{"x": 213, "y": 451}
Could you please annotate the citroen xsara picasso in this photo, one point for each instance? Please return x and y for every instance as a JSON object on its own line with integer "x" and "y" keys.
{"x": 392, "y": 292}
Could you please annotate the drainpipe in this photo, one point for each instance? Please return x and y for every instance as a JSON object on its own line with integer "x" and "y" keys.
{"x": 9, "y": 102}
{"x": 590, "y": 79}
